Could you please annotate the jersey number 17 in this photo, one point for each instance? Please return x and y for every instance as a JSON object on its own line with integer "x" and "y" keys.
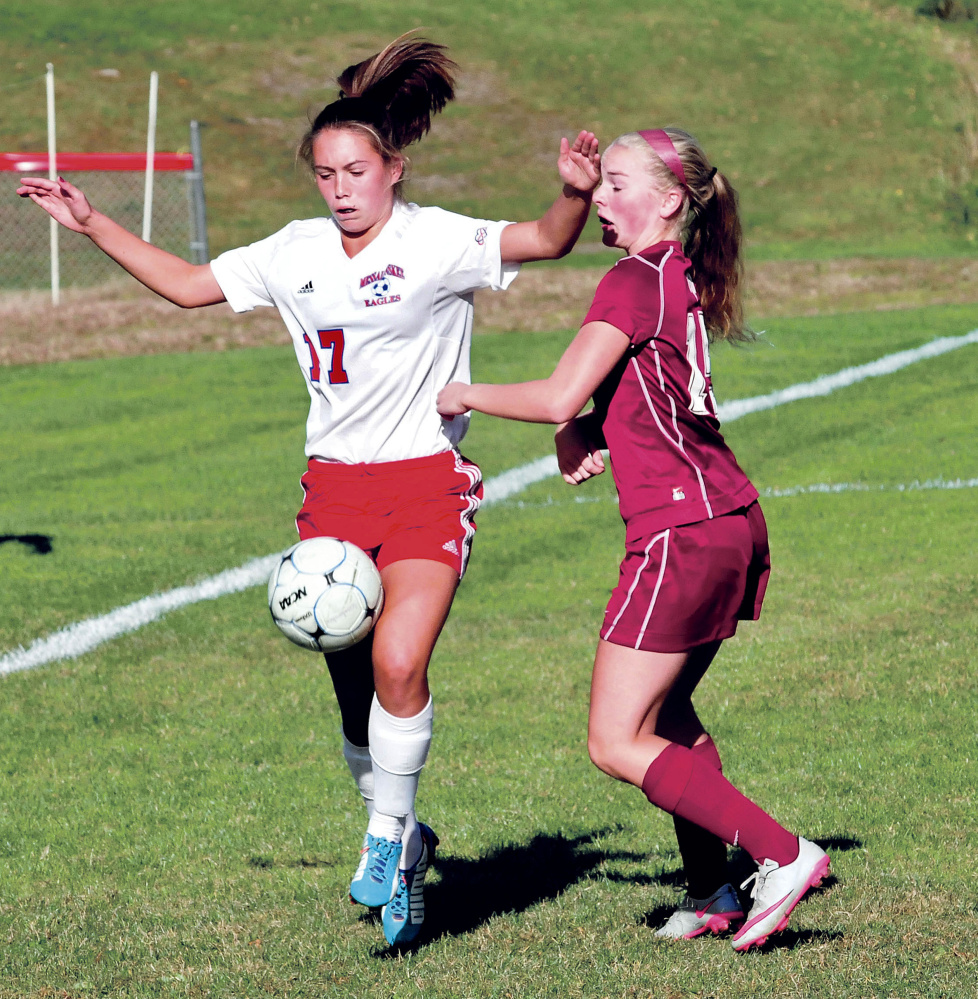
{"x": 331, "y": 340}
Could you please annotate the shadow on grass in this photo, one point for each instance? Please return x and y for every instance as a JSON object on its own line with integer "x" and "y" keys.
{"x": 41, "y": 543}
{"x": 516, "y": 877}
{"x": 510, "y": 879}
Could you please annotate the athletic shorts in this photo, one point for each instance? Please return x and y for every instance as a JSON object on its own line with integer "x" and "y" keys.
{"x": 395, "y": 510}
{"x": 685, "y": 586}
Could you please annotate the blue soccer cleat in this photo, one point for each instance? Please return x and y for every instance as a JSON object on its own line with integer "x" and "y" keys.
{"x": 373, "y": 883}
{"x": 404, "y": 914}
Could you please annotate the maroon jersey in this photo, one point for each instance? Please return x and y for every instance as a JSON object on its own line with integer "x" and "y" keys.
{"x": 669, "y": 460}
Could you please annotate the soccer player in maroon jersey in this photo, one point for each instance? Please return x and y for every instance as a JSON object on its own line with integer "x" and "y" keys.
{"x": 696, "y": 552}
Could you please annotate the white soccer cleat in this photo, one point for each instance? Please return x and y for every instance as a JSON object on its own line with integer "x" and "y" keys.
{"x": 697, "y": 915}
{"x": 777, "y": 890}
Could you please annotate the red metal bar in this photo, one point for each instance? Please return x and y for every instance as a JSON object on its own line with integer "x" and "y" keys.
{"x": 38, "y": 162}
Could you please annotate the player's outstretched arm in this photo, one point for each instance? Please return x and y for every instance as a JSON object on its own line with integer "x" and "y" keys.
{"x": 588, "y": 360}
{"x": 185, "y": 284}
{"x": 553, "y": 235}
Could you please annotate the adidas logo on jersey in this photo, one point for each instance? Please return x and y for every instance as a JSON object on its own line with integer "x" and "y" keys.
{"x": 450, "y": 546}
{"x": 306, "y": 288}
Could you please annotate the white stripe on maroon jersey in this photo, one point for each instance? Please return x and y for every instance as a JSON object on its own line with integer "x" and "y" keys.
{"x": 678, "y": 443}
{"x": 661, "y": 268}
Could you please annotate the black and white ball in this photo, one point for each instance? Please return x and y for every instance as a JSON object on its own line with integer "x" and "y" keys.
{"x": 325, "y": 594}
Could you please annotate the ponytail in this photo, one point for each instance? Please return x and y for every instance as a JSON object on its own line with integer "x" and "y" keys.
{"x": 389, "y": 97}
{"x": 709, "y": 223}
{"x": 712, "y": 239}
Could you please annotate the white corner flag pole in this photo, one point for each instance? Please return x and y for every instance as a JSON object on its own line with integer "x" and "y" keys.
{"x": 154, "y": 87}
{"x": 53, "y": 175}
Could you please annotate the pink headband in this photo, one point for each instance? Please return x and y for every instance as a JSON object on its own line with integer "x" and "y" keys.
{"x": 663, "y": 147}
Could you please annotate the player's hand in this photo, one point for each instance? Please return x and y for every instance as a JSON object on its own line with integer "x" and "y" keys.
{"x": 60, "y": 199}
{"x": 577, "y": 457}
{"x": 449, "y": 402}
{"x": 579, "y": 165}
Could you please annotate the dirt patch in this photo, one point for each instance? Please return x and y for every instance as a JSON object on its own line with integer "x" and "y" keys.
{"x": 124, "y": 318}
{"x": 557, "y": 298}
{"x": 118, "y": 319}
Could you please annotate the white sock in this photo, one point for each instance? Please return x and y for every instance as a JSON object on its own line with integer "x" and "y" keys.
{"x": 362, "y": 767}
{"x": 398, "y": 748}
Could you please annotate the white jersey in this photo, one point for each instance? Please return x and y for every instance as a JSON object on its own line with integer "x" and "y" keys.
{"x": 376, "y": 336}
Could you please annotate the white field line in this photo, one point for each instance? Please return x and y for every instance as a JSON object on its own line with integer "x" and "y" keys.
{"x": 86, "y": 635}
{"x": 82, "y": 637}
{"x": 774, "y": 492}
{"x": 827, "y": 384}
{"x": 518, "y": 479}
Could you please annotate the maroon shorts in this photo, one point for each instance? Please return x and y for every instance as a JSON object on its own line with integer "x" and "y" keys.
{"x": 395, "y": 510}
{"x": 687, "y": 585}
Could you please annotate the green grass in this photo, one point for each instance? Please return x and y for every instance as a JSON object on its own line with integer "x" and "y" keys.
{"x": 846, "y": 127}
{"x": 175, "y": 815}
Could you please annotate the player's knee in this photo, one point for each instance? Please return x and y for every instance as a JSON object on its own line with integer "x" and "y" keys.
{"x": 602, "y": 751}
{"x": 398, "y": 673}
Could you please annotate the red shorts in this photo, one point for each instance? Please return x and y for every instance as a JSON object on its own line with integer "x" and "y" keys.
{"x": 395, "y": 510}
{"x": 688, "y": 585}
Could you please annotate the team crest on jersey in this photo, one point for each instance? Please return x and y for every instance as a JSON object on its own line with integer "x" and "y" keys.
{"x": 480, "y": 235}
{"x": 380, "y": 283}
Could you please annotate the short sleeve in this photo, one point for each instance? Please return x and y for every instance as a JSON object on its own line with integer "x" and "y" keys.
{"x": 472, "y": 257}
{"x": 623, "y": 301}
{"x": 646, "y": 297}
{"x": 242, "y": 274}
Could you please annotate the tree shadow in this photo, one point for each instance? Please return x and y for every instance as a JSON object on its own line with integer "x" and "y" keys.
{"x": 41, "y": 543}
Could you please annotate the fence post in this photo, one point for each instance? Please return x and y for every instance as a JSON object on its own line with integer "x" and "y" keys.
{"x": 154, "y": 84}
{"x": 53, "y": 175}
{"x": 198, "y": 243}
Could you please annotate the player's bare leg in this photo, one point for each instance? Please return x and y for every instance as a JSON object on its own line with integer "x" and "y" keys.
{"x": 418, "y": 595}
{"x": 629, "y": 689}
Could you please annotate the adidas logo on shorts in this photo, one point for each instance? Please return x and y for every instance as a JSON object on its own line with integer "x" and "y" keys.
{"x": 306, "y": 288}
{"x": 450, "y": 546}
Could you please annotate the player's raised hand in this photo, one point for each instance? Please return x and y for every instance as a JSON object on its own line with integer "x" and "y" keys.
{"x": 60, "y": 199}
{"x": 579, "y": 165}
{"x": 577, "y": 457}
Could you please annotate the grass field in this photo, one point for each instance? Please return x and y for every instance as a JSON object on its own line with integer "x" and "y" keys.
{"x": 175, "y": 817}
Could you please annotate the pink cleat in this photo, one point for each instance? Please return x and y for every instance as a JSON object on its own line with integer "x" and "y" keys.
{"x": 777, "y": 890}
{"x": 698, "y": 915}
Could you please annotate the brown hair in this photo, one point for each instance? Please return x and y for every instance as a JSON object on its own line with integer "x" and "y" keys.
{"x": 710, "y": 228}
{"x": 389, "y": 98}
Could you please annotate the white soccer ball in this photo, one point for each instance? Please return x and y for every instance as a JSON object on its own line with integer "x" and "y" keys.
{"x": 325, "y": 594}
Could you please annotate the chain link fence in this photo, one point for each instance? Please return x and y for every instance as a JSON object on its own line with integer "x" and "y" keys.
{"x": 114, "y": 183}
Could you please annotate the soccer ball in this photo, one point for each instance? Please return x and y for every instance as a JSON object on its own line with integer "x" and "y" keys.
{"x": 325, "y": 594}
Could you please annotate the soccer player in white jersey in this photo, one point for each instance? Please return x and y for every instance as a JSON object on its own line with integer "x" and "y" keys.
{"x": 378, "y": 300}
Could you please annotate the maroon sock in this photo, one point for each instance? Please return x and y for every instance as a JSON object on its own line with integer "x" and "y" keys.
{"x": 682, "y": 784}
{"x": 704, "y": 855}
{"x": 708, "y": 752}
